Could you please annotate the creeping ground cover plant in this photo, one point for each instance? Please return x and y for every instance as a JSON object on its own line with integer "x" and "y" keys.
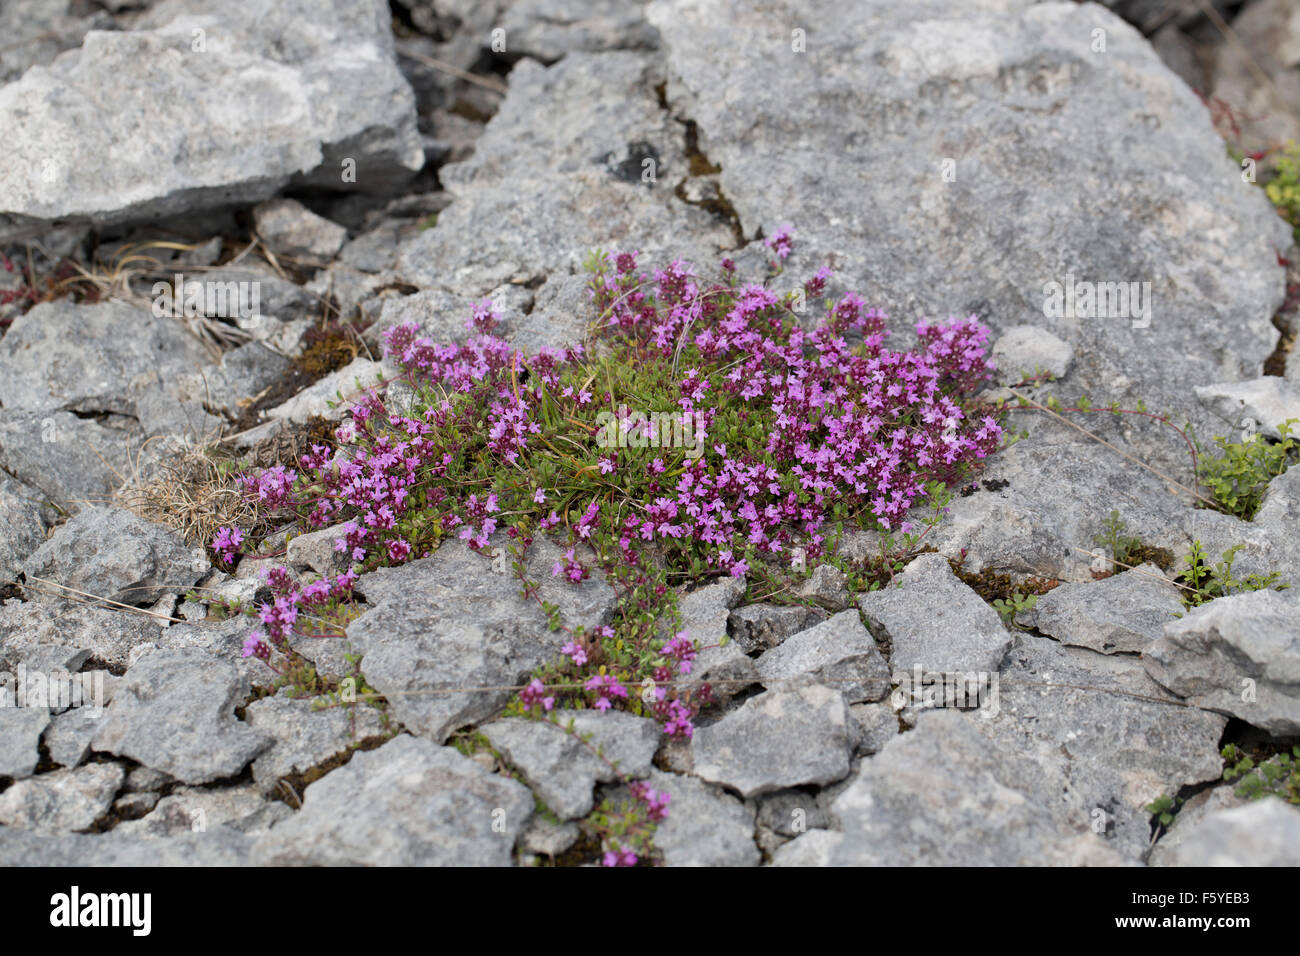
{"x": 704, "y": 429}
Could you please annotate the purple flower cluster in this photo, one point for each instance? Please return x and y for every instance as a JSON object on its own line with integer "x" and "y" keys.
{"x": 846, "y": 428}
{"x": 535, "y": 695}
{"x": 575, "y": 652}
{"x": 280, "y": 616}
{"x": 255, "y": 646}
{"x": 682, "y": 650}
{"x": 227, "y": 543}
{"x": 781, "y": 242}
{"x": 606, "y": 688}
{"x": 648, "y": 806}
{"x": 479, "y": 525}
{"x": 854, "y": 425}
{"x": 571, "y": 568}
{"x": 676, "y": 717}
{"x": 656, "y": 803}
{"x": 272, "y": 488}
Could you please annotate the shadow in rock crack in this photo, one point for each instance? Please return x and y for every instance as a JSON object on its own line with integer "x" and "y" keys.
{"x": 700, "y": 187}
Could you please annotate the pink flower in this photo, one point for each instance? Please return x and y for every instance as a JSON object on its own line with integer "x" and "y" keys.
{"x": 781, "y": 242}
{"x": 535, "y": 694}
{"x": 570, "y": 567}
{"x": 575, "y": 652}
{"x": 227, "y": 542}
{"x": 656, "y": 803}
{"x": 680, "y": 649}
{"x": 678, "y": 722}
{"x": 255, "y": 646}
{"x": 607, "y": 688}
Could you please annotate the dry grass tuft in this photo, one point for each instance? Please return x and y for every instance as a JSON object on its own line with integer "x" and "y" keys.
{"x": 193, "y": 492}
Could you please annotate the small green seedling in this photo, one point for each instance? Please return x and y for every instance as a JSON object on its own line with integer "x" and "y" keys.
{"x": 1016, "y": 604}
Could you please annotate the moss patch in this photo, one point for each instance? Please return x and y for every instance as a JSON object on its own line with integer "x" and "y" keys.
{"x": 993, "y": 585}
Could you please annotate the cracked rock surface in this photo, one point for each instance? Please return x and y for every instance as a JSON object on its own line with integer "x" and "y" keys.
{"x": 363, "y": 164}
{"x": 174, "y": 712}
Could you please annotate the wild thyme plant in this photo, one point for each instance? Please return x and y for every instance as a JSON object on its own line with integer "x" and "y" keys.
{"x": 1277, "y": 776}
{"x": 1240, "y": 477}
{"x": 780, "y": 436}
{"x": 1203, "y": 582}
